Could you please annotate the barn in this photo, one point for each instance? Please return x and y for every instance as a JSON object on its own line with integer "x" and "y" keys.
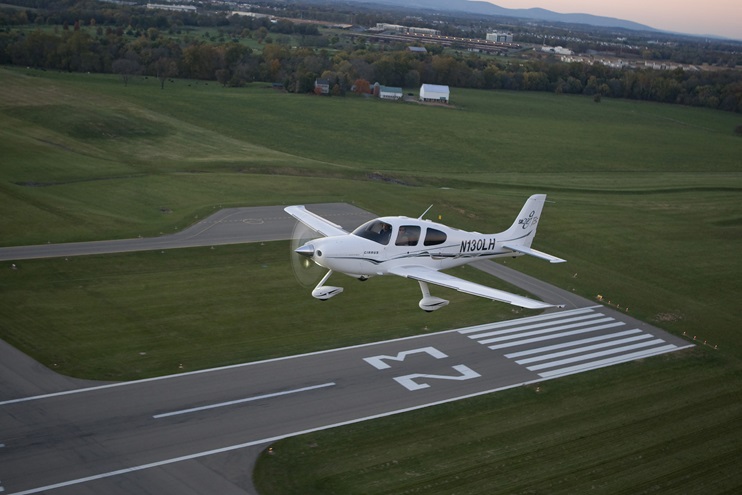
{"x": 390, "y": 93}
{"x": 434, "y": 92}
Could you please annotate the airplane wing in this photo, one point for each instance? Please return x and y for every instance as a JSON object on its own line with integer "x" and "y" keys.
{"x": 425, "y": 274}
{"x": 534, "y": 252}
{"x": 314, "y": 221}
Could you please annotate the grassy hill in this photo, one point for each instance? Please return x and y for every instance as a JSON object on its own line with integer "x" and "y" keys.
{"x": 647, "y": 213}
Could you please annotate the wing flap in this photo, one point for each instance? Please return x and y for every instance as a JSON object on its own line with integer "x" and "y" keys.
{"x": 534, "y": 252}
{"x": 314, "y": 221}
{"x": 429, "y": 275}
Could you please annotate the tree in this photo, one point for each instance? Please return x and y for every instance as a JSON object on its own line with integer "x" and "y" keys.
{"x": 126, "y": 68}
{"x": 361, "y": 86}
{"x": 165, "y": 68}
{"x": 201, "y": 61}
{"x": 222, "y": 75}
{"x": 412, "y": 79}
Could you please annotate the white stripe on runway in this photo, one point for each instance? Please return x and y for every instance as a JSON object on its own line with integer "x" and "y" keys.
{"x": 529, "y": 319}
{"x": 586, "y": 357}
{"x": 556, "y": 335}
{"x": 572, "y": 343}
{"x": 579, "y": 350}
{"x": 531, "y": 327}
{"x": 546, "y": 330}
{"x": 609, "y": 362}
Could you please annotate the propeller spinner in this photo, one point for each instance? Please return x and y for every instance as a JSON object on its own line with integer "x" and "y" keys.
{"x": 306, "y": 271}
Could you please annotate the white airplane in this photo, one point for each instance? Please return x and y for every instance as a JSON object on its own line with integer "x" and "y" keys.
{"x": 419, "y": 249}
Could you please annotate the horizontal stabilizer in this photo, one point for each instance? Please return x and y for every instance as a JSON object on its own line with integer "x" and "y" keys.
{"x": 534, "y": 252}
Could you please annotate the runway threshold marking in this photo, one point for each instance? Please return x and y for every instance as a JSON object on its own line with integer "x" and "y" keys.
{"x": 573, "y": 355}
{"x": 241, "y": 401}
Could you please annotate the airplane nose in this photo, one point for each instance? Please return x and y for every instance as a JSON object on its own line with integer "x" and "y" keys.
{"x": 306, "y": 250}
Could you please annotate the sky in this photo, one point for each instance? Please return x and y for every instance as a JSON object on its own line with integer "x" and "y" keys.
{"x": 716, "y": 17}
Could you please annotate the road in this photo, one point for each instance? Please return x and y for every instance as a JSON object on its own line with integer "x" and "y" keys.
{"x": 197, "y": 432}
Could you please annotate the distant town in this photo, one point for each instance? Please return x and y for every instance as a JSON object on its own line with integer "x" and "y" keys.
{"x": 352, "y": 48}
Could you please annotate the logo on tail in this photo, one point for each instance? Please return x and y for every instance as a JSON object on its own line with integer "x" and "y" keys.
{"x": 530, "y": 221}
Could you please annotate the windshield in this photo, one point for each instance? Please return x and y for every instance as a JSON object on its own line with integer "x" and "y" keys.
{"x": 376, "y": 231}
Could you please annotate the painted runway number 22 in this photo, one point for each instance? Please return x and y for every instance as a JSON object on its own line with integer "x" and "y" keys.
{"x": 412, "y": 381}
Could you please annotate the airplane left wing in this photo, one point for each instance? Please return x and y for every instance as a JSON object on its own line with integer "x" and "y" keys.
{"x": 429, "y": 275}
{"x": 314, "y": 221}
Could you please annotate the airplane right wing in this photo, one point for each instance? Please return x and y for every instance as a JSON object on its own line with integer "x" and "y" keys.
{"x": 314, "y": 221}
{"x": 430, "y": 275}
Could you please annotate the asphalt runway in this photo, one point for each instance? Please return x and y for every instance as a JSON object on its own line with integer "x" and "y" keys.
{"x": 197, "y": 432}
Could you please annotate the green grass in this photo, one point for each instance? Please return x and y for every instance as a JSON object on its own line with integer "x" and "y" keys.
{"x": 129, "y": 316}
{"x": 647, "y": 213}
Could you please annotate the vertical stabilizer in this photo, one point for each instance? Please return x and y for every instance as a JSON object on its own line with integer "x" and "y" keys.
{"x": 524, "y": 227}
{"x": 520, "y": 235}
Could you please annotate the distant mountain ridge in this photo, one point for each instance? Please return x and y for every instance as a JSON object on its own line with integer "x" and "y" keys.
{"x": 485, "y": 8}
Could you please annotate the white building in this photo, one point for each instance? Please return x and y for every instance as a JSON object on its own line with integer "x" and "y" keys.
{"x": 557, "y": 50}
{"x": 500, "y": 37}
{"x": 390, "y": 93}
{"x": 434, "y": 92}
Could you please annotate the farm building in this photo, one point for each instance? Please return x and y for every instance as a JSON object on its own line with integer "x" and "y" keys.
{"x": 322, "y": 86}
{"x": 390, "y": 93}
{"x": 434, "y": 92}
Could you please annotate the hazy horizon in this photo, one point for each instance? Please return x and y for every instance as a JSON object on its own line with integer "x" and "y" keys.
{"x": 714, "y": 17}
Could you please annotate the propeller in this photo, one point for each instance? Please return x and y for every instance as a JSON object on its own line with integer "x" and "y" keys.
{"x": 307, "y": 272}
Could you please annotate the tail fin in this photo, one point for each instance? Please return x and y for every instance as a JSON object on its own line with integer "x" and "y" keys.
{"x": 524, "y": 227}
{"x": 520, "y": 235}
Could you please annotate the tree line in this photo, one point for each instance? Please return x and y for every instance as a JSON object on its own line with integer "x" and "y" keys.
{"x": 110, "y": 43}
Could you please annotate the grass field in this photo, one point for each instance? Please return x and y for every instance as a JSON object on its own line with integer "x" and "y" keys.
{"x": 648, "y": 213}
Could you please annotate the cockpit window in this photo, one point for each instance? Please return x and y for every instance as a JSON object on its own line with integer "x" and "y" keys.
{"x": 376, "y": 231}
{"x": 408, "y": 235}
{"x": 433, "y": 237}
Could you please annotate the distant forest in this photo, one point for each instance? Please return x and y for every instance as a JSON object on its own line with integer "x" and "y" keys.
{"x": 89, "y": 36}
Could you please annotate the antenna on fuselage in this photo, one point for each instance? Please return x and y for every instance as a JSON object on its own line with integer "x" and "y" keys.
{"x": 421, "y": 216}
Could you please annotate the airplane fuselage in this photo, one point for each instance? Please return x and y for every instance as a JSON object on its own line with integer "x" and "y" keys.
{"x": 382, "y": 244}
